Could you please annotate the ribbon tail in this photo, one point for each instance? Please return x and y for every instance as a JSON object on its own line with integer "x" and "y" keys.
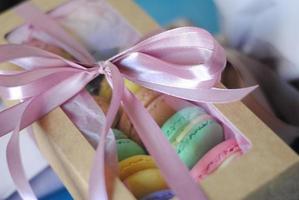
{"x": 177, "y": 177}
{"x": 97, "y": 182}
{"x": 35, "y": 87}
{"x": 15, "y": 165}
{"x": 29, "y": 111}
{"x": 6, "y": 124}
{"x": 43, "y": 103}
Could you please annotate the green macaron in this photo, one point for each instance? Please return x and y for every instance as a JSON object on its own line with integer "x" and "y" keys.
{"x": 119, "y": 134}
{"x": 127, "y": 148}
{"x": 175, "y": 124}
{"x": 193, "y": 133}
{"x": 199, "y": 140}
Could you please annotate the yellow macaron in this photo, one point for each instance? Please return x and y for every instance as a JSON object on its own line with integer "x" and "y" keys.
{"x": 106, "y": 92}
{"x": 140, "y": 175}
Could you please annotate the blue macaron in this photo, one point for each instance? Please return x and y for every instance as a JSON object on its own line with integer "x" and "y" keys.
{"x": 159, "y": 195}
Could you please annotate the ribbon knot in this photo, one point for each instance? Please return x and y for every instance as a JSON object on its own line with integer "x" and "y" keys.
{"x": 100, "y": 67}
{"x": 105, "y": 68}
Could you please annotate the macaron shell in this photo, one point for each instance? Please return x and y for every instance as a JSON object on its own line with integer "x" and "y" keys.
{"x": 160, "y": 110}
{"x": 102, "y": 102}
{"x": 104, "y": 105}
{"x": 127, "y": 148}
{"x": 145, "y": 96}
{"x": 202, "y": 137}
{"x": 133, "y": 87}
{"x": 160, "y": 195}
{"x": 134, "y": 164}
{"x": 187, "y": 129}
{"x": 105, "y": 90}
{"x": 119, "y": 134}
{"x": 229, "y": 159}
{"x": 145, "y": 182}
{"x": 175, "y": 124}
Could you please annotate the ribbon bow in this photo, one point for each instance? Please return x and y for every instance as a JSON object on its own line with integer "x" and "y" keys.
{"x": 184, "y": 62}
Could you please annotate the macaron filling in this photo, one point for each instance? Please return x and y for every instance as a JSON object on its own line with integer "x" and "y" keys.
{"x": 186, "y": 130}
{"x": 176, "y": 123}
{"x": 201, "y": 138}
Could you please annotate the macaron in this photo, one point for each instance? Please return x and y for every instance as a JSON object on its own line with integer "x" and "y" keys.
{"x": 193, "y": 133}
{"x": 126, "y": 147}
{"x": 102, "y": 102}
{"x": 160, "y": 195}
{"x": 160, "y": 110}
{"x": 106, "y": 92}
{"x": 133, "y": 87}
{"x": 141, "y": 176}
{"x": 175, "y": 124}
{"x": 119, "y": 134}
{"x": 134, "y": 164}
{"x": 156, "y": 105}
{"x": 145, "y": 96}
{"x": 104, "y": 105}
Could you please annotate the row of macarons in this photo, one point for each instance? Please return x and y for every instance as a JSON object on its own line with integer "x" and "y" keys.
{"x": 138, "y": 170}
{"x": 161, "y": 111}
{"x": 191, "y": 132}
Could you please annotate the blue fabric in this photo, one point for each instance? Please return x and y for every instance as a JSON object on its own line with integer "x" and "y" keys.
{"x": 58, "y": 195}
{"x": 201, "y": 13}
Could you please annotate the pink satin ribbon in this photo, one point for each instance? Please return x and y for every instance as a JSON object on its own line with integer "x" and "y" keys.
{"x": 184, "y": 62}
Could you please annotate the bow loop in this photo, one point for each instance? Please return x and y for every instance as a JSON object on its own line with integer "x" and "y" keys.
{"x": 184, "y": 58}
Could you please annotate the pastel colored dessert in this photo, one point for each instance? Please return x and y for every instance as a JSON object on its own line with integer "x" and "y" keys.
{"x": 104, "y": 105}
{"x": 119, "y": 134}
{"x": 156, "y": 105}
{"x": 125, "y": 147}
{"x": 193, "y": 133}
{"x": 140, "y": 175}
{"x": 216, "y": 159}
{"x": 160, "y": 195}
{"x": 145, "y": 96}
{"x": 133, "y": 87}
{"x": 106, "y": 92}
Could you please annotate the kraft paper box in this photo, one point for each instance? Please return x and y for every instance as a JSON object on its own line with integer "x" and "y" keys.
{"x": 270, "y": 170}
